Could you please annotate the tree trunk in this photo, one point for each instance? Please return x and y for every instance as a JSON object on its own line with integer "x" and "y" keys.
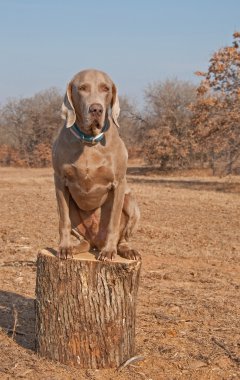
{"x": 85, "y": 309}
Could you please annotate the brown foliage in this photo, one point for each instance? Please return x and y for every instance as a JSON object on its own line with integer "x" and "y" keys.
{"x": 216, "y": 110}
{"x": 28, "y": 127}
{"x": 130, "y": 127}
{"x": 167, "y": 123}
{"x": 42, "y": 156}
{"x": 10, "y": 156}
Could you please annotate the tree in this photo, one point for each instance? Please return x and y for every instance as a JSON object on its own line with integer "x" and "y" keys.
{"x": 216, "y": 111}
{"x": 28, "y": 127}
{"x": 31, "y": 124}
{"x": 167, "y": 121}
{"x": 130, "y": 127}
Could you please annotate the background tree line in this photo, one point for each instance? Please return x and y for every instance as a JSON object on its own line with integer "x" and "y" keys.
{"x": 181, "y": 126}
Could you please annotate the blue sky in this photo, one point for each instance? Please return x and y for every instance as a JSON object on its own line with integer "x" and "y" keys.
{"x": 45, "y": 42}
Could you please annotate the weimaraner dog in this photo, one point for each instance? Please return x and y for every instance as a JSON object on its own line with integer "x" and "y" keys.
{"x": 90, "y": 162}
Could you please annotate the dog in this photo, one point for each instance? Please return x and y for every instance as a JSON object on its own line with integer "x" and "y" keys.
{"x": 90, "y": 162}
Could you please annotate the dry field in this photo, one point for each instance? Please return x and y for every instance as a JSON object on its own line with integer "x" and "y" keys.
{"x": 188, "y": 312}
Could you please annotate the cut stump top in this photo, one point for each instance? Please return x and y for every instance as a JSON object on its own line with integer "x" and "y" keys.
{"x": 88, "y": 256}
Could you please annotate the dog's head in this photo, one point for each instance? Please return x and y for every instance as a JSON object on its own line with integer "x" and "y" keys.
{"x": 89, "y": 97}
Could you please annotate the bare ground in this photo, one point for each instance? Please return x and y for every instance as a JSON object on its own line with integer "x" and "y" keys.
{"x": 189, "y": 297}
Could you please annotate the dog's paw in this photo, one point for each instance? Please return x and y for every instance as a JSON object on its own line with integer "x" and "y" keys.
{"x": 107, "y": 254}
{"x": 124, "y": 250}
{"x": 64, "y": 252}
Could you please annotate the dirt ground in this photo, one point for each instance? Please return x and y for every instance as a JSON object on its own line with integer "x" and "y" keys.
{"x": 188, "y": 311}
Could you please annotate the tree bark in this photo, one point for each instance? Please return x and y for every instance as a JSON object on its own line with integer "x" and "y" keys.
{"x": 85, "y": 310}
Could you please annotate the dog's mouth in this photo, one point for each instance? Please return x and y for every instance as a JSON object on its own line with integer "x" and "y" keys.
{"x": 95, "y": 127}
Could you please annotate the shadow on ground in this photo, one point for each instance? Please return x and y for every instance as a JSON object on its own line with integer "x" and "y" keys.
{"x": 183, "y": 183}
{"x": 17, "y": 318}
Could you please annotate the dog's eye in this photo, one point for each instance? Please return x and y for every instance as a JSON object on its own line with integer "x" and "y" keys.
{"x": 104, "y": 88}
{"x": 83, "y": 87}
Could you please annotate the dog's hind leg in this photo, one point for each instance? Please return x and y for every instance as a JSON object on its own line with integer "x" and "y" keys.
{"x": 76, "y": 222}
{"x": 129, "y": 222}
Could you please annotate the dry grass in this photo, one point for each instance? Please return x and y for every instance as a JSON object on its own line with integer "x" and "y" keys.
{"x": 188, "y": 304}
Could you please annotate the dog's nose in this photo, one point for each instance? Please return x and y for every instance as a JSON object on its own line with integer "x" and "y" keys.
{"x": 96, "y": 109}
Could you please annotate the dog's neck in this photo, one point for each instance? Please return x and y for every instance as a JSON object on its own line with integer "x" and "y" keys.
{"x": 89, "y": 139}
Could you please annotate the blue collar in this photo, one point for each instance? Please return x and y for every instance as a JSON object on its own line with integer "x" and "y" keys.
{"x": 89, "y": 138}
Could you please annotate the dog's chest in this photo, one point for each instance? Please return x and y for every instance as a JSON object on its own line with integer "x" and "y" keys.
{"x": 88, "y": 176}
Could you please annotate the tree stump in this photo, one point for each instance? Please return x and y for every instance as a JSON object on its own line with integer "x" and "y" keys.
{"x": 85, "y": 309}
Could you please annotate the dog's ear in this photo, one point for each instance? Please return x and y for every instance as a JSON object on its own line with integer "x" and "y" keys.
{"x": 68, "y": 112}
{"x": 115, "y": 105}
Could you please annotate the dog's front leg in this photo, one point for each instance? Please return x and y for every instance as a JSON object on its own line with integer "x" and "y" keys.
{"x": 109, "y": 250}
{"x": 62, "y": 194}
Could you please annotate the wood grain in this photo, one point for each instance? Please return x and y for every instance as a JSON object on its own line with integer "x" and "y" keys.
{"x": 86, "y": 310}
